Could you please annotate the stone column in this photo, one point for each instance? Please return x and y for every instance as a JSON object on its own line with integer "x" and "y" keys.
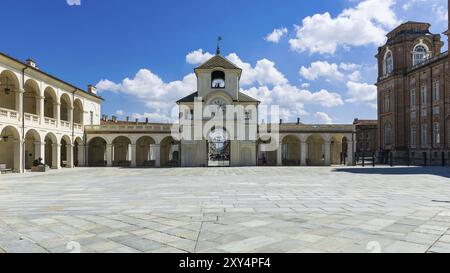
{"x": 280, "y": 154}
{"x": 155, "y": 154}
{"x": 109, "y": 155}
{"x": 69, "y": 154}
{"x": 41, "y": 110}
{"x": 327, "y": 152}
{"x": 57, "y": 109}
{"x": 132, "y": 152}
{"x": 19, "y": 103}
{"x": 18, "y": 156}
{"x": 70, "y": 116}
{"x": 56, "y": 156}
{"x": 303, "y": 153}
{"x": 81, "y": 162}
{"x": 350, "y": 152}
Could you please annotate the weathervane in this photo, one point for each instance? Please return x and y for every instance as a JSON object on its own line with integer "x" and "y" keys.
{"x": 218, "y": 45}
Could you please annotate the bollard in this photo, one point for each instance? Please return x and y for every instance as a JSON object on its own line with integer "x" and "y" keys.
{"x": 391, "y": 155}
{"x": 363, "y": 160}
{"x": 373, "y": 160}
{"x": 443, "y": 159}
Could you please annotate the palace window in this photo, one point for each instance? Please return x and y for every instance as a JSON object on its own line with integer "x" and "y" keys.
{"x": 436, "y": 91}
{"x": 436, "y": 110}
{"x": 218, "y": 80}
{"x": 413, "y": 98}
{"x": 388, "y": 134}
{"x": 413, "y": 115}
{"x": 437, "y": 133}
{"x": 420, "y": 54}
{"x": 388, "y": 63}
{"x": 424, "y": 137}
{"x": 387, "y": 103}
{"x": 413, "y": 136}
{"x": 423, "y": 95}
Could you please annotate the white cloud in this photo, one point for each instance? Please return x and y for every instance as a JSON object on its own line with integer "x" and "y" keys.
{"x": 198, "y": 57}
{"x": 73, "y": 2}
{"x": 158, "y": 96}
{"x": 354, "y": 76}
{"x": 361, "y": 92}
{"x": 367, "y": 23}
{"x": 293, "y": 100}
{"x": 321, "y": 69}
{"x": 276, "y": 35}
{"x": 323, "y": 118}
{"x": 440, "y": 11}
{"x": 120, "y": 112}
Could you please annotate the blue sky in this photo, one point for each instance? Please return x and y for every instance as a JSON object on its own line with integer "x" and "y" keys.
{"x": 319, "y": 63}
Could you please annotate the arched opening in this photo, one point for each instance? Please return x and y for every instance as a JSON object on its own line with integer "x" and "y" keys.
{"x": 78, "y": 153}
{"x": 97, "y": 152}
{"x": 65, "y": 108}
{"x": 420, "y": 54}
{"x": 219, "y": 148}
{"x": 50, "y": 151}
{"x": 32, "y": 148}
{"x": 218, "y": 80}
{"x": 143, "y": 152}
{"x": 66, "y": 152}
{"x": 78, "y": 112}
{"x": 31, "y": 98}
{"x": 338, "y": 150}
{"x": 121, "y": 152}
{"x": 169, "y": 147}
{"x": 10, "y": 149}
{"x": 388, "y": 65}
{"x": 316, "y": 152}
{"x": 291, "y": 151}
{"x": 9, "y": 91}
{"x": 50, "y": 103}
{"x": 266, "y": 158}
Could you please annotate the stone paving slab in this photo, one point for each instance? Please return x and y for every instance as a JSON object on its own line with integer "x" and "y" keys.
{"x": 295, "y": 210}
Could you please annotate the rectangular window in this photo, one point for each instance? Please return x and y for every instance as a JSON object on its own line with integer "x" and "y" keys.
{"x": 413, "y": 136}
{"x": 387, "y": 104}
{"x": 436, "y": 110}
{"x": 413, "y": 115}
{"x": 91, "y": 117}
{"x": 424, "y": 135}
{"x": 424, "y": 112}
{"x": 437, "y": 133}
{"x": 436, "y": 91}
{"x": 423, "y": 95}
{"x": 413, "y": 98}
{"x": 247, "y": 115}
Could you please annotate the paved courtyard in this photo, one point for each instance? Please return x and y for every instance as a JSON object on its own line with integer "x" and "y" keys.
{"x": 227, "y": 210}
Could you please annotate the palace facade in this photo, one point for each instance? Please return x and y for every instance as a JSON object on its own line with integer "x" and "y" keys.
{"x": 44, "y": 117}
{"x": 414, "y": 97}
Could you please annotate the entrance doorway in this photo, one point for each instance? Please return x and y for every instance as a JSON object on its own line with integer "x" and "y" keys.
{"x": 219, "y": 148}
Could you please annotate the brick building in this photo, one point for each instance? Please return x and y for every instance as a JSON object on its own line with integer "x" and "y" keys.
{"x": 366, "y": 137}
{"x": 414, "y": 97}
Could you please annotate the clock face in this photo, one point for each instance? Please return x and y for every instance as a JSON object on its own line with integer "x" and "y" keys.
{"x": 220, "y": 103}
{"x": 218, "y": 83}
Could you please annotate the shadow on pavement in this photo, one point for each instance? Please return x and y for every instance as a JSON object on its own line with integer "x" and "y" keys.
{"x": 437, "y": 171}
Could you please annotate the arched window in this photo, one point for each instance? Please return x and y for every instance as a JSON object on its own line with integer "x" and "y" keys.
{"x": 388, "y": 63}
{"x": 420, "y": 54}
{"x": 218, "y": 80}
{"x": 388, "y": 134}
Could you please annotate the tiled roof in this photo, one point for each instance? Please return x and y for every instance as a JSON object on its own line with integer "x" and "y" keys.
{"x": 218, "y": 61}
{"x": 241, "y": 98}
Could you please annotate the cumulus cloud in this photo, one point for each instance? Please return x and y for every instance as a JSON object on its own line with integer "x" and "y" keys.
{"x": 276, "y": 35}
{"x": 198, "y": 57}
{"x": 331, "y": 71}
{"x": 158, "y": 96}
{"x": 264, "y": 72}
{"x": 361, "y": 93}
{"x": 321, "y": 69}
{"x": 293, "y": 100}
{"x": 365, "y": 24}
{"x": 322, "y": 118}
{"x": 73, "y": 2}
